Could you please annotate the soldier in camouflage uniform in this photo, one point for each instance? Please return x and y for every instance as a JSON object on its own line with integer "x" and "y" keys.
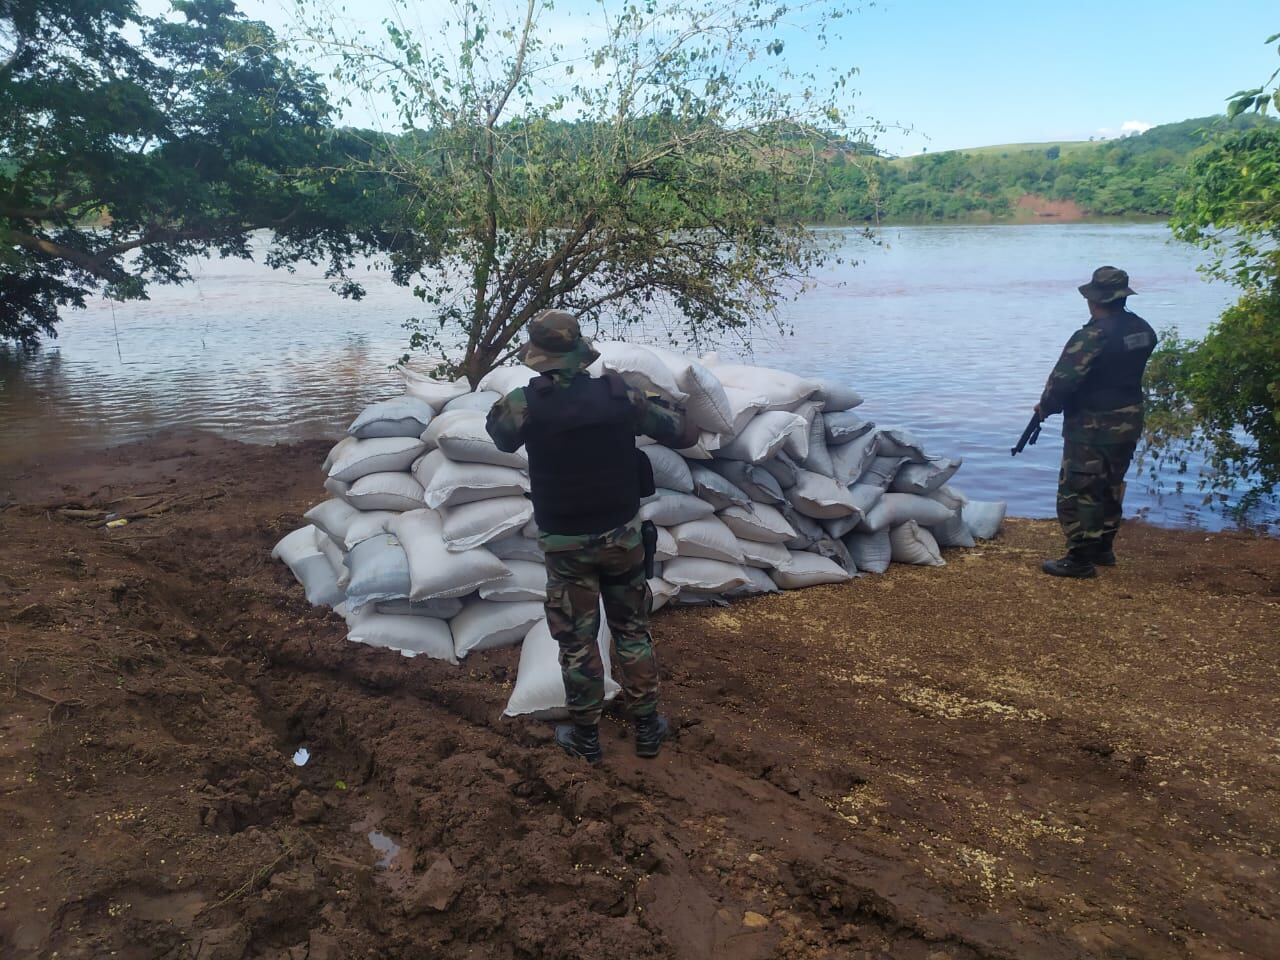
{"x": 1097, "y": 386}
{"x": 586, "y": 478}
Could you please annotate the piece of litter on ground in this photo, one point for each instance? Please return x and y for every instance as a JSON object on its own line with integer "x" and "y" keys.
{"x": 301, "y": 757}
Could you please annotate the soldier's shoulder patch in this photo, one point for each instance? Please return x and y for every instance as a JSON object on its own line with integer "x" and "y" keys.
{"x": 1136, "y": 341}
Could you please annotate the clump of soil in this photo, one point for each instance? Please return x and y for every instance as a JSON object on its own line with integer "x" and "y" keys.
{"x": 973, "y": 761}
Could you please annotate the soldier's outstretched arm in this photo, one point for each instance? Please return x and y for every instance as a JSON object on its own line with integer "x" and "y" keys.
{"x": 662, "y": 420}
{"x": 506, "y": 419}
{"x": 1078, "y": 358}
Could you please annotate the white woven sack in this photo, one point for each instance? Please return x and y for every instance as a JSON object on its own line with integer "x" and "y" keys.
{"x": 923, "y": 478}
{"x": 809, "y": 570}
{"x": 336, "y": 451}
{"x": 844, "y": 426}
{"x": 706, "y": 403}
{"x": 949, "y": 497}
{"x": 486, "y": 626}
{"x": 661, "y": 593}
{"x": 758, "y": 582}
{"x": 756, "y": 482}
{"x": 984, "y": 517}
{"x": 332, "y": 517}
{"x": 667, "y": 508}
{"x": 819, "y": 458}
{"x": 435, "y": 392}
{"x": 336, "y": 556}
{"x": 411, "y": 636}
{"x": 471, "y": 525}
{"x": 820, "y": 497}
{"x": 639, "y": 366}
{"x": 380, "y": 455}
{"x": 335, "y": 488}
{"x": 528, "y": 581}
{"x": 431, "y": 435}
{"x": 481, "y": 400}
{"x": 425, "y": 467}
{"x": 300, "y": 552}
{"x": 442, "y": 609}
{"x": 808, "y": 530}
{"x": 797, "y": 444}
{"x": 896, "y": 442}
{"x": 871, "y": 552}
{"x": 837, "y": 397}
{"x": 765, "y": 556}
{"x": 708, "y": 576}
{"x": 516, "y": 547}
{"x": 953, "y": 532}
{"x": 850, "y": 460}
{"x": 464, "y": 439}
{"x": 379, "y": 571}
{"x": 385, "y": 491}
{"x": 911, "y": 543}
{"x": 706, "y": 447}
{"x": 669, "y": 468}
{"x": 763, "y": 436}
{"x": 403, "y": 416}
{"x": 666, "y": 548}
{"x": 743, "y": 405}
{"x": 882, "y": 470}
{"x": 453, "y": 484}
{"x": 783, "y": 469}
{"x": 539, "y": 689}
{"x": 782, "y": 389}
{"x": 716, "y": 489}
{"x": 435, "y": 572}
{"x": 371, "y": 523}
{"x": 761, "y": 522}
{"x": 502, "y": 380}
{"x": 895, "y": 509}
{"x": 708, "y": 538}
{"x": 840, "y": 527}
{"x": 865, "y": 496}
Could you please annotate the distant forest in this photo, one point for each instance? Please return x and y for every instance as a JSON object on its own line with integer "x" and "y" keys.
{"x": 1134, "y": 175}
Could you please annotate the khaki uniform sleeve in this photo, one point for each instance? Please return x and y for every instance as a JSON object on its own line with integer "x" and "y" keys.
{"x": 1078, "y": 357}
{"x": 657, "y": 418}
{"x": 506, "y": 421}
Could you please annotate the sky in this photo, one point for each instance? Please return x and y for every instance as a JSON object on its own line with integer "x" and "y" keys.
{"x": 947, "y": 74}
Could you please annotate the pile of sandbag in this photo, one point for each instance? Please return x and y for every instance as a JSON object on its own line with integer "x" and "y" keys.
{"x": 428, "y": 544}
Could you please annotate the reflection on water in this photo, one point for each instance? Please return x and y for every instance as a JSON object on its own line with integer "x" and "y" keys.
{"x": 949, "y": 331}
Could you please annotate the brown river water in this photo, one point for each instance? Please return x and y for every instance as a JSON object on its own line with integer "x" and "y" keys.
{"x": 947, "y": 330}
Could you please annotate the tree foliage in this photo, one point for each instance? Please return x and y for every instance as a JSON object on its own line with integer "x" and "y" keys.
{"x": 642, "y": 171}
{"x": 129, "y": 144}
{"x": 1220, "y": 397}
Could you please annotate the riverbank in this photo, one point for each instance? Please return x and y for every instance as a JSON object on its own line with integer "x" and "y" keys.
{"x": 972, "y": 761}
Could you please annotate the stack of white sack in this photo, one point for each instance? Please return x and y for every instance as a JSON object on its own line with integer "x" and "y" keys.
{"x": 428, "y": 545}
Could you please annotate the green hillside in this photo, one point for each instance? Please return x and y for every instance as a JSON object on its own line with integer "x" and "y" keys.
{"x": 1136, "y": 175}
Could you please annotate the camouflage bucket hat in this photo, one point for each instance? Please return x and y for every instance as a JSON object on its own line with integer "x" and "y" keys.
{"x": 556, "y": 343}
{"x": 1108, "y": 284}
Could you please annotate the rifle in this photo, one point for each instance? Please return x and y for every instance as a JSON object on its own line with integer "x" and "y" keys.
{"x": 1029, "y": 436}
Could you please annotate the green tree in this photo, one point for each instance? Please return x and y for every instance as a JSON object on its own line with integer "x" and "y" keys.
{"x": 1220, "y": 396}
{"x": 129, "y": 144}
{"x": 642, "y": 174}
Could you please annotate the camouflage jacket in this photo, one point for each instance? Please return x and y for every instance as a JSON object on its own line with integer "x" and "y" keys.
{"x": 1080, "y": 356}
{"x": 654, "y": 417}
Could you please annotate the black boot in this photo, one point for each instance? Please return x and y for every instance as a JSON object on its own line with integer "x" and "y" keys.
{"x": 581, "y": 742}
{"x": 651, "y": 730}
{"x": 1106, "y": 557}
{"x": 1072, "y": 565}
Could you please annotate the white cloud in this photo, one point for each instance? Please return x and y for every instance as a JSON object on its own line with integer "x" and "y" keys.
{"x": 1135, "y": 126}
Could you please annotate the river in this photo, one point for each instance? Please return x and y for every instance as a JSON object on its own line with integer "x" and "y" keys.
{"x": 949, "y": 331}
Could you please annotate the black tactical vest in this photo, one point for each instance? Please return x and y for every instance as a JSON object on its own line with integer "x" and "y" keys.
{"x": 1115, "y": 379}
{"x": 583, "y": 468}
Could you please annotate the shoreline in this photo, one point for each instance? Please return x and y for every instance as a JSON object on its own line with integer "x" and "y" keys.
{"x": 964, "y": 761}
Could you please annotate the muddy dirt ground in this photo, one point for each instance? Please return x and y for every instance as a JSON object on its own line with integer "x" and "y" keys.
{"x": 974, "y": 761}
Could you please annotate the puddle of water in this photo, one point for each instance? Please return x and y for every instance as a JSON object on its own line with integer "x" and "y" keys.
{"x": 301, "y": 757}
{"x": 386, "y": 847}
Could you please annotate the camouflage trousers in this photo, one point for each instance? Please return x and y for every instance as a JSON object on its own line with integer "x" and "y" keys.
{"x": 1091, "y": 493}
{"x": 577, "y": 581}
